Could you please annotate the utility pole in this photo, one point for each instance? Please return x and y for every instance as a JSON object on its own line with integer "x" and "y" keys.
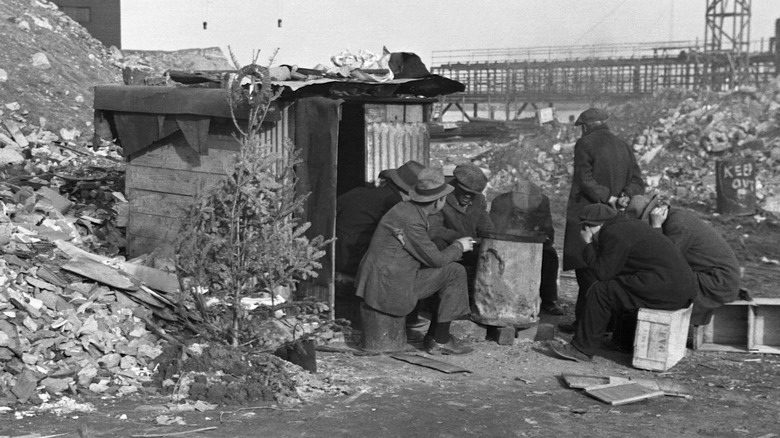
{"x": 727, "y": 44}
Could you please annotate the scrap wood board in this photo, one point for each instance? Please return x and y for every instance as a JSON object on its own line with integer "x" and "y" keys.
{"x": 429, "y": 363}
{"x": 622, "y": 393}
{"x": 585, "y": 382}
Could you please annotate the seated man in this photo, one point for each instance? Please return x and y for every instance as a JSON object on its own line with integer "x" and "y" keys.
{"x": 359, "y": 210}
{"x": 403, "y": 265}
{"x": 706, "y": 251}
{"x": 464, "y": 213}
{"x": 634, "y": 268}
{"x": 526, "y": 212}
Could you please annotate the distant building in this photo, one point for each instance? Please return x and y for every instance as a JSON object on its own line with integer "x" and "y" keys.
{"x": 102, "y": 18}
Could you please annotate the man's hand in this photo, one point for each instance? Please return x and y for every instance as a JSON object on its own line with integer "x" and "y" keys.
{"x": 612, "y": 201}
{"x": 467, "y": 243}
{"x": 623, "y": 201}
{"x": 658, "y": 216}
{"x": 587, "y": 235}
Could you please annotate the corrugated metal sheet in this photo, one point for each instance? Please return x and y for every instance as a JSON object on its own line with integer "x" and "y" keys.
{"x": 389, "y": 145}
{"x": 276, "y": 136}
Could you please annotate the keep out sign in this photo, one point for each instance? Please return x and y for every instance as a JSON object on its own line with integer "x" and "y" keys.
{"x": 736, "y": 187}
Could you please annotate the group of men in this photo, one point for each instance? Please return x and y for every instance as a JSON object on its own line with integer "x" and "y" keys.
{"x": 412, "y": 240}
{"x": 629, "y": 251}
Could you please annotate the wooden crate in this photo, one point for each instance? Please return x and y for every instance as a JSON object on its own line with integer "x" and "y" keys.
{"x": 743, "y": 326}
{"x": 660, "y": 338}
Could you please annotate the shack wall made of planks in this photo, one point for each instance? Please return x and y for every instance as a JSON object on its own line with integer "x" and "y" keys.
{"x": 163, "y": 179}
{"x": 395, "y": 134}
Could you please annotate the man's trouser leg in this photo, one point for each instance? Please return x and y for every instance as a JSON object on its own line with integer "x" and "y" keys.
{"x": 548, "y": 287}
{"x": 450, "y": 283}
{"x": 585, "y": 278}
{"x": 603, "y": 298}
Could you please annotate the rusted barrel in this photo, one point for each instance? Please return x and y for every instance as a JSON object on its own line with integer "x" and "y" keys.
{"x": 506, "y": 287}
{"x": 382, "y": 332}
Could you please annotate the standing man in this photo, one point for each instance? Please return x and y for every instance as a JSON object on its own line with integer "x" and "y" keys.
{"x": 605, "y": 172}
{"x": 706, "y": 251}
{"x": 634, "y": 268}
{"x": 359, "y": 210}
{"x": 403, "y": 265}
{"x": 526, "y": 212}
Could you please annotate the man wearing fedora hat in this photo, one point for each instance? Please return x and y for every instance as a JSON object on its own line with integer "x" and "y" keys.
{"x": 605, "y": 172}
{"x": 706, "y": 251}
{"x": 403, "y": 265}
{"x": 359, "y": 210}
{"x": 634, "y": 268}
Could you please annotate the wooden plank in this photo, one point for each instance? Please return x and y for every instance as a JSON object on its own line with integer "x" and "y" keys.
{"x": 414, "y": 114}
{"x": 178, "y": 155}
{"x": 583, "y": 382}
{"x": 395, "y": 113}
{"x": 158, "y": 204}
{"x": 181, "y": 182}
{"x": 101, "y": 273}
{"x": 429, "y": 363}
{"x": 159, "y": 227}
{"x": 622, "y": 393}
{"x": 139, "y": 245}
{"x": 765, "y": 329}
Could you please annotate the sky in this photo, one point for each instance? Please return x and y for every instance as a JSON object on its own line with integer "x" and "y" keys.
{"x": 314, "y": 30}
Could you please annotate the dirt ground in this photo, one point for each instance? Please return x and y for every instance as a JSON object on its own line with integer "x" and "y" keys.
{"x": 510, "y": 391}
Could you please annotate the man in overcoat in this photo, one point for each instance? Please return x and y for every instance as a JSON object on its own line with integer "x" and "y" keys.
{"x": 706, "y": 251}
{"x": 464, "y": 214}
{"x": 605, "y": 172}
{"x": 403, "y": 265}
{"x": 359, "y": 210}
{"x": 634, "y": 268}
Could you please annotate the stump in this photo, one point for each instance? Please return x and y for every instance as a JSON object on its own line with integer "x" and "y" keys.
{"x": 382, "y": 332}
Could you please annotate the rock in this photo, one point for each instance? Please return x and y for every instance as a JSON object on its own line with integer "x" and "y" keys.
{"x": 39, "y": 60}
{"x": 3, "y": 75}
{"x": 56, "y": 386}
{"x": 10, "y": 155}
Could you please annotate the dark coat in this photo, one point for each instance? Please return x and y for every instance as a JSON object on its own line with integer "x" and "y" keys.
{"x": 709, "y": 256}
{"x": 358, "y": 212}
{"x": 631, "y": 253}
{"x": 399, "y": 249}
{"x": 604, "y": 166}
{"x": 524, "y": 212}
{"x": 454, "y": 222}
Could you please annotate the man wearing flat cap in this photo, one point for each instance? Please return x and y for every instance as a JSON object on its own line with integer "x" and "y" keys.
{"x": 605, "y": 172}
{"x": 359, "y": 210}
{"x": 465, "y": 212}
{"x": 706, "y": 251}
{"x": 403, "y": 265}
{"x": 634, "y": 268}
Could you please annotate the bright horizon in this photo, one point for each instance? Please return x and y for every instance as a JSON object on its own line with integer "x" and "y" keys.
{"x": 313, "y": 31}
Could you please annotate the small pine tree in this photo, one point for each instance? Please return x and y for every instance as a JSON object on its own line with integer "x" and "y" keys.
{"x": 244, "y": 234}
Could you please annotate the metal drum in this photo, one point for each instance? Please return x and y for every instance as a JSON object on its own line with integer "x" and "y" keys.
{"x": 506, "y": 286}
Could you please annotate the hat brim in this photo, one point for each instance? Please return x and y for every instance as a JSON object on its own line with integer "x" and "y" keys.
{"x": 649, "y": 207}
{"x": 417, "y": 197}
{"x": 467, "y": 189}
{"x": 392, "y": 175}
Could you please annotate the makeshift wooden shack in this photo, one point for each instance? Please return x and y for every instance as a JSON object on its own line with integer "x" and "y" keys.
{"x": 174, "y": 137}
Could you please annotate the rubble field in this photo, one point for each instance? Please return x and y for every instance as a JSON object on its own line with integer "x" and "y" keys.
{"x": 93, "y": 344}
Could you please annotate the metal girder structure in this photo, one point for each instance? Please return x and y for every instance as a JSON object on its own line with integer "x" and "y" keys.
{"x": 727, "y": 43}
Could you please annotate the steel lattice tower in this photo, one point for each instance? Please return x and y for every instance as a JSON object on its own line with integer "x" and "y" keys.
{"x": 727, "y": 43}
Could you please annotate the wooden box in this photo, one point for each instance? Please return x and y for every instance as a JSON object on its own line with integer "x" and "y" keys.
{"x": 660, "y": 338}
{"x": 743, "y": 326}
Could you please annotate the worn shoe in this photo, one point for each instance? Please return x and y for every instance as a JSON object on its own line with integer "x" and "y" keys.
{"x": 416, "y": 324}
{"x": 569, "y": 352}
{"x": 552, "y": 309}
{"x": 567, "y": 328}
{"x": 454, "y": 346}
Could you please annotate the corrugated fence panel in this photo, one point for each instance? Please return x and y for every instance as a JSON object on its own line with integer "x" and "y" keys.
{"x": 389, "y": 145}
